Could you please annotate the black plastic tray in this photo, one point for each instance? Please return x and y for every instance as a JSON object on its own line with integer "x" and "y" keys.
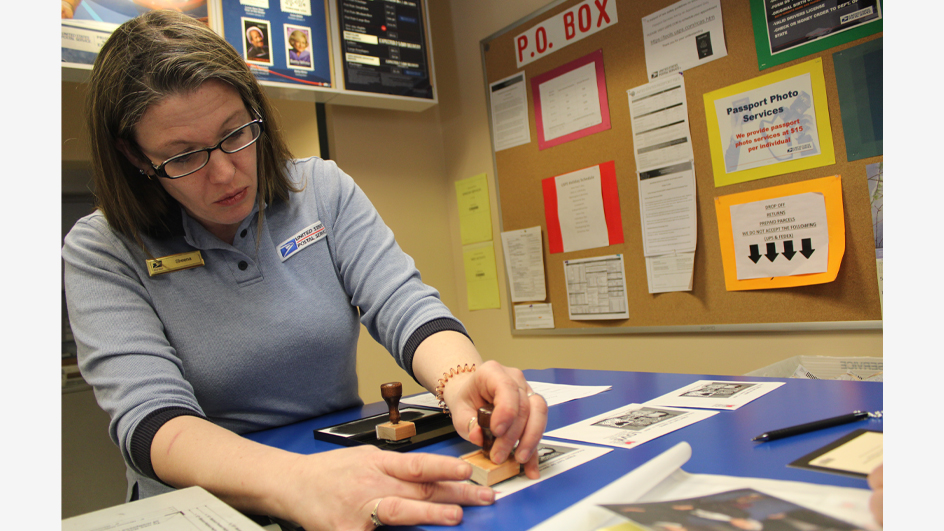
{"x": 431, "y": 426}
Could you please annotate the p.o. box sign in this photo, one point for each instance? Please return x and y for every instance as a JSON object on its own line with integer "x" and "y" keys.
{"x": 565, "y": 28}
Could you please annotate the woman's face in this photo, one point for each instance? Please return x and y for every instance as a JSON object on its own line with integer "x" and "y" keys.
{"x": 300, "y": 45}
{"x": 222, "y": 193}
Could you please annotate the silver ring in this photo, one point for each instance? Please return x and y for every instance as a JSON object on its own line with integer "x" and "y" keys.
{"x": 531, "y": 393}
{"x": 471, "y": 422}
{"x": 374, "y": 519}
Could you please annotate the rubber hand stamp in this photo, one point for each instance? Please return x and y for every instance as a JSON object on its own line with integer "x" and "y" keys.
{"x": 394, "y": 429}
{"x": 484, "y": 471}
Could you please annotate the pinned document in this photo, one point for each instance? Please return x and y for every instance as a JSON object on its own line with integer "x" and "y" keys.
{"x": 596, "y": 288}
{"x": 481, "y": 277}
{"x": 524, "y": 263}
{"x": 533, "y": 316}
{"x": 582, "y": 209}
{"x": 475, "y": 214}
{"x": 782, "y": 236}
{"x": 662, "y": 144}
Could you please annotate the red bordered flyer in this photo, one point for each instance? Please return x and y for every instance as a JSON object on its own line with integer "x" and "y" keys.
{"x": 570, "y": 101}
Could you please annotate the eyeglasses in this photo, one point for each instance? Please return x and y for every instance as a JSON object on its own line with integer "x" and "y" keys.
{"x": 193, "y": 161}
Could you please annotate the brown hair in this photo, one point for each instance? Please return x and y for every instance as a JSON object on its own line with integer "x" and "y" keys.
{"x": 146, "y": 59}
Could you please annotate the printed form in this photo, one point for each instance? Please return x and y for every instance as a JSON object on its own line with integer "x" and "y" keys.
{"x": 666, "y": 179}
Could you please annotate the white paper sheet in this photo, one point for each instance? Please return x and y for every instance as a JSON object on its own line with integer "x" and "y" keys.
{"x": 666, "y": 182}
{"x": 671, "y": 272}
{"x": 662, "y": 479}
{"x": 554, "y": 457}
{"x": 631, "y": 425}
{"x": 532, "y": 316}
{"x": 659, "y": 114}
{"x": 580, "y": 209}
{"x": 570, "y": 102}
{"x": 715, "y": 394}
{"x": 596, "y": 288}
{"x": 781, "y": 237}
{"x": 667, "y": 209}
{"x": 190, "y": 509}
{"x": 509, "y": 106}
{"x": 683, "y": 35}
{"x": 524, "y": 264}
{"x": 553, "y": 394}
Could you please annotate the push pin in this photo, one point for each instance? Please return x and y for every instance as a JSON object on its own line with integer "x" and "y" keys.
{"x": 484, "y": 471}
{"x": 394, "y": 430}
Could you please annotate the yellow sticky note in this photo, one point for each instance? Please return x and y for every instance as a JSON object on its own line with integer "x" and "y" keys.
{"x": 481, "y": 276}
{"x": 475, "y": 214}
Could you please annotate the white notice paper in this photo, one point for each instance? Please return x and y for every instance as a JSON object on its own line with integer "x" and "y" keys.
{"x": 667, "y": 208}
{"x": 524, "y": 263}
{"x": 780, "y": 237}
{"x": 713, "y": 394}
{"x": 683, "y": 35}
{"x": 553, "y": 458}
{"x": 190, "y": 509}
{"x": 630, "y": 426}
{"x": 509, "y": 103}
{"x": 596, "y": 288}
{"x": 570, "y": 102}
{"x": 532, "y": 316}
{"x": 659, "y": 114}
{"x": 670, "y": 272}
{"x": 665, "y": 170}
{"x": 580, "y": 209}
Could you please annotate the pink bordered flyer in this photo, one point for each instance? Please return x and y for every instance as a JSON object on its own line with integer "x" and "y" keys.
{"x": 570, "y": 101}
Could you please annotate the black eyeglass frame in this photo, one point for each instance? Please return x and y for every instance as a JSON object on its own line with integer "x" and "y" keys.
{"x": 161, "y": 172}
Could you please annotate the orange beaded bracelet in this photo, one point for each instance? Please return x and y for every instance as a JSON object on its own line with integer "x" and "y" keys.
{"x": 445, "y": 378}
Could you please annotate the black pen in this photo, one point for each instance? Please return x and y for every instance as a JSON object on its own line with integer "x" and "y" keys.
{"x": 812, "y": 426}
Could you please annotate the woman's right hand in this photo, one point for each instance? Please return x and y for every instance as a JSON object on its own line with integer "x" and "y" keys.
{"x": 339, "y": 489}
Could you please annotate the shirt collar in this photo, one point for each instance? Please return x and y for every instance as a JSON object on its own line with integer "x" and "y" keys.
{"x": 199, "y": 237}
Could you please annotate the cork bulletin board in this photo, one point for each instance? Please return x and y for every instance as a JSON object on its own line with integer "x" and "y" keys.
{"x": 851, "y": 301}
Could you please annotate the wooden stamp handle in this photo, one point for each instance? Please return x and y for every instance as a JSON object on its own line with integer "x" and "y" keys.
{"x": 391, "y": 393}
{"x": 485, "y": 422}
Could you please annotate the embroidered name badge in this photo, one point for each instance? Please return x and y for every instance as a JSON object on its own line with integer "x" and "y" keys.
{"x": 174, "y": 262}
{"x": 304, "y": 238}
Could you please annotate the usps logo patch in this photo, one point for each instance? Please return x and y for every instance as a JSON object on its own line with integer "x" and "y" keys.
{"x": 305, "y": 237}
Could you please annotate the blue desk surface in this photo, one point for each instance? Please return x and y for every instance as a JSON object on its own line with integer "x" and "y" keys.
{"x": 720, "y": 444}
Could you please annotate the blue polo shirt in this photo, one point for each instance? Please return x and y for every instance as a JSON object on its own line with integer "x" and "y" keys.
{"x": 264, "y": 334}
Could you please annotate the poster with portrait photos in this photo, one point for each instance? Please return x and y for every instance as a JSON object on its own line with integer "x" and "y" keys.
{"x": 715, "y": 394}
{"x": 282, "y": 41}
{"x": 631, "y": 425}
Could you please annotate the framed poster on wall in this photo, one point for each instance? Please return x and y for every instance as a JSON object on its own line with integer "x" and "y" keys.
{"x": 282, "y": 41}
{"x": 87, "y": 24}
{"x": 384, "y": 47}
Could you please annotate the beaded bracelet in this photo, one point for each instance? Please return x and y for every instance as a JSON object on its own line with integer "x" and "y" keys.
{"x": 442, "y": 383}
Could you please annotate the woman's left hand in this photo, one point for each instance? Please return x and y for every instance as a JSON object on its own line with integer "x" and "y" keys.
{"x": 519, "y": 415}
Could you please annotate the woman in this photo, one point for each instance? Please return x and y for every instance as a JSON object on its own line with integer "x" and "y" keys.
{"x": 290, "y": 258}
{"x": 298, "y": 54}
